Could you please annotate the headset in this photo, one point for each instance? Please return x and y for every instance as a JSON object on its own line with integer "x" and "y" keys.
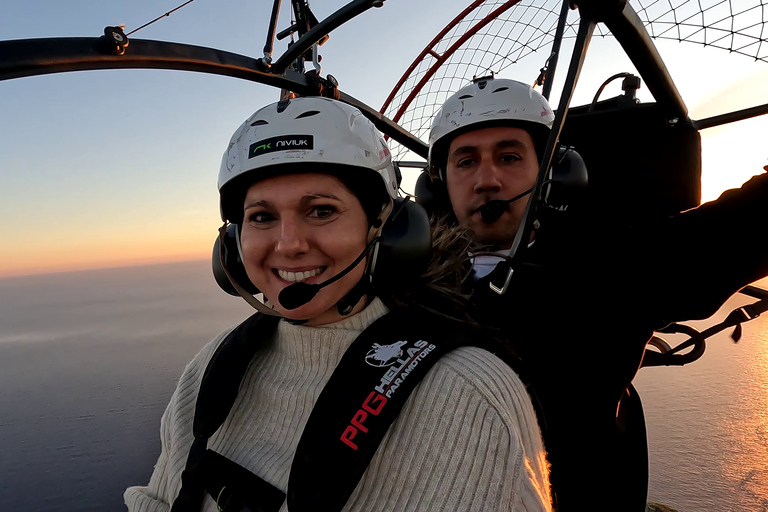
{"x": 401, "y": 252}
{"x": 565, "y": 185}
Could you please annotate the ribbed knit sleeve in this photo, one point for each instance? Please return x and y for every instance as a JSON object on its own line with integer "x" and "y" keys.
{"x": 175, "y": 439}
{"x": 467, "y": 438}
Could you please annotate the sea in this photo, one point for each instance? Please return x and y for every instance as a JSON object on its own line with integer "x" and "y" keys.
{"x": 88, "y": 361}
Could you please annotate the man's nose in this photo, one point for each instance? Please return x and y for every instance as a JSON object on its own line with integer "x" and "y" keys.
{"x": 487, "y": 178}
{"x": 293, "y": 239}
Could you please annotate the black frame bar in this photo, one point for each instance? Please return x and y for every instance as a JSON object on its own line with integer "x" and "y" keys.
{"x": 559, "y": 31}
{"x": 731, "y": 117}
{"x": 330, "y": 23}
{"x": 627, "y": 27}
{"x": 515, "y": 255}
{"x": 31, "y": 57}
{"x": 269, "y": 45}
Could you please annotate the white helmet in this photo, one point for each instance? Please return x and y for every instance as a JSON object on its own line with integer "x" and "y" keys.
{"x": 286, "y": 136}
{"x": 485, "y": 103}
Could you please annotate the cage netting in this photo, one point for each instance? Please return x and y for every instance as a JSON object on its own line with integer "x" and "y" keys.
{"x": 491, "y": 35}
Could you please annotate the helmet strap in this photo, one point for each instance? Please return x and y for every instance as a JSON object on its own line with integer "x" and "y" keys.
{"x": 250, "y": 299}
{"x": 363, "y": 287}
{"x": 350, "y": 300}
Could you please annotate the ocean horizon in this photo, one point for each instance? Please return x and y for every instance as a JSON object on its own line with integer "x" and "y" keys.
{"x": 89, "y": 359}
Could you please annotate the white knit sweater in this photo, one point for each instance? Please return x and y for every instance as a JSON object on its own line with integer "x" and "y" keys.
{"x": 466, "y": 439}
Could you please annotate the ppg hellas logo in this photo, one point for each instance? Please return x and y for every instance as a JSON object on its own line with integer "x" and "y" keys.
{"x": 281, "y": 143}
{"x": 384, "y": 355}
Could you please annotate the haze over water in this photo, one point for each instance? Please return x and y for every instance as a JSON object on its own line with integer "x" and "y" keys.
{"x": 88, "y": 361}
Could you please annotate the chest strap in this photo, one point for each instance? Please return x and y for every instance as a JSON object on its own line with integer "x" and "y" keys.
{"x": 218, "y": 392}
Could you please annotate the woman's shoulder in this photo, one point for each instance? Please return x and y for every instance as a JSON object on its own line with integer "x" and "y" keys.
{"x": 477, "y": 371}
{"x": 196, "y": 367}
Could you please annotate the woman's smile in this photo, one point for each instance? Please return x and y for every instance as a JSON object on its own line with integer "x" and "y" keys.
{"x": 298, "y": 276}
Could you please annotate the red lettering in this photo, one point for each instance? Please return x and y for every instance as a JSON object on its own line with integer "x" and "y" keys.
{"x": 348, "y": 435}
{"x": 358, "y": 419}
{"x": 381, "y": 401}
{"x": 373, "y": 404}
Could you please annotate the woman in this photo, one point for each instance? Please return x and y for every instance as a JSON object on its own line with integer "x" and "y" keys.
{"x": 309, "y": 185}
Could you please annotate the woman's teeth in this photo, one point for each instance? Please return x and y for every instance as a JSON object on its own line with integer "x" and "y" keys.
{"x": 299, "y": 276}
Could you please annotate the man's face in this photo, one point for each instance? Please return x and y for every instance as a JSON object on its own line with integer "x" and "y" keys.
{"x": 488, "y": 164}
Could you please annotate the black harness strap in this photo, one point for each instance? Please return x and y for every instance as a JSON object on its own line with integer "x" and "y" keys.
{"x": 235, "y": 489}
{"x": 218, "y": 392}
{"x": 362, "y": 398}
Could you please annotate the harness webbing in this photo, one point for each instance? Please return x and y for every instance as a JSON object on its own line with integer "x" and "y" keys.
{"x": 364, "y": 395}
{"x": 362, "y": 398}
{"x": 218, "y": 392}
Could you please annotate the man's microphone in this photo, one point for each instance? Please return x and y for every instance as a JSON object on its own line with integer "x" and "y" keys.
{"x": 493, "y": 210}
{"x": 297, "y": 294}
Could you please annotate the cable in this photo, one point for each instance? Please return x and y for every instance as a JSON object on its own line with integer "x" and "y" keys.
{"x": 160, "y": 17}
{"x": 600, "y": 90}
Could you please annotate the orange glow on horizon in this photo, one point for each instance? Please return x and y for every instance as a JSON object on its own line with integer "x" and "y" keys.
{"x": 50, "y": 251}
{"x": 101, "y": 264}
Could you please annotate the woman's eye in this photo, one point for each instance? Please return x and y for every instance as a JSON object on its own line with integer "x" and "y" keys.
{"x": 322, "y": 211}
{"x": 260, "y": 217}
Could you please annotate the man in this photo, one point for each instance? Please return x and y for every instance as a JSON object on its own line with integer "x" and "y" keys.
{"x": 582, "y": 343}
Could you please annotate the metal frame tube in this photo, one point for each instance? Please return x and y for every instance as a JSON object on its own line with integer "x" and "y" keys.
{"x": 447, "y": 54}
{"x": 628, "y": 29}
{"x": 31, "y": 57}
{"x": 269, "y": 45}
{"x": 731, "y": 117}
{"x": 559, "y": 31}
{"x": 306, "y": 41}
{"x": 515, "y": 255}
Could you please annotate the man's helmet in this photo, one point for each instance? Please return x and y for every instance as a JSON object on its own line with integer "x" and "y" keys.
{"x": 485, "y": 103}
{"x": 306, "y": 134}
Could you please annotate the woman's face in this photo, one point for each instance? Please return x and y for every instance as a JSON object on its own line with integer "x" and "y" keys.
{"x": 303, "y": 227}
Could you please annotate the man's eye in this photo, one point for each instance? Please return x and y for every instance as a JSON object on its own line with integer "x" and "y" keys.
{"x": 466, "y": 162}
{"x": 510, "y": 158}
{"x": 322, "y": 211}
{"x": 260, "y": 217}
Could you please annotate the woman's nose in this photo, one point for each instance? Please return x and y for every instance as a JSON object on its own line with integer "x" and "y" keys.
{"x": 293, "y": 239}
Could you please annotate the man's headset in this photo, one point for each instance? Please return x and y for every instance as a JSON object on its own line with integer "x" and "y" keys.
{"x": 402, "y": 252}
{"x": 565, "y": 185}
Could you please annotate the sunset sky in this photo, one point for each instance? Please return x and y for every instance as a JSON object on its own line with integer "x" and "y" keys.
{"x": 111, "y": 168}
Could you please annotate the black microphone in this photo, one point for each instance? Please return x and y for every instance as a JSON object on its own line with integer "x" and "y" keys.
{"x": 297, "y": 294}
{"x": 493, "y": 210}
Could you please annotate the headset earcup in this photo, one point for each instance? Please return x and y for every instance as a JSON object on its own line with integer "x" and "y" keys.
{"x": 406, "y": 245}
{"x": 568, "y": 179}
{"x": 432, "y": 195}
{"x": 233, "y": 263}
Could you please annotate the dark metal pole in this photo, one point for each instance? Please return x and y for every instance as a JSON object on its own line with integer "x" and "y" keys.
{"x": 628, "y": 29}
{"x": 269, "y": 45}
{"x": 731, "y": 117}
{"x": 515, "y": 255}
{"x": 333, "y": 21}
{"x": 552, "y": 67}
{"x": 30, "y": 57}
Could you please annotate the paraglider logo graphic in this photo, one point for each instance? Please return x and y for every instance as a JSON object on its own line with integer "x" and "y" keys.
{"x": 384, "y": 355}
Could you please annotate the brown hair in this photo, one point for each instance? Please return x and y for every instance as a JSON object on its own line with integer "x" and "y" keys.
{"x": 444, "y": 287}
